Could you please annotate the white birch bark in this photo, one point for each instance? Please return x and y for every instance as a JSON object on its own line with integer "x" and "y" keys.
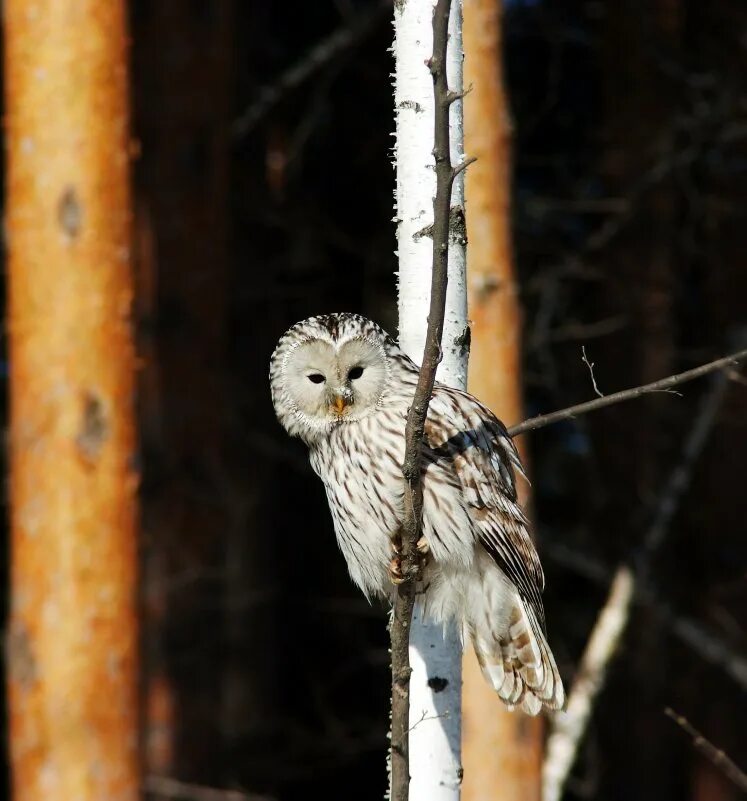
{"x": 435, "y": 656}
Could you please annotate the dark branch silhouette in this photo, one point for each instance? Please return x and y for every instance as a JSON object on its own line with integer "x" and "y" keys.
{"x": 662, "y": 385}
{"x": 166, "y": 787}
{"x": 714, "y": 755}
{"x": 704, "y": 642}
{"x": 324, "y": 52}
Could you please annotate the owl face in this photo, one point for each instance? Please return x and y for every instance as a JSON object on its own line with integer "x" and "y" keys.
{"x": 327, "y": 371}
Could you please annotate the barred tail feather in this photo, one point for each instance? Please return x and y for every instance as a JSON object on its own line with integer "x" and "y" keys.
{"x": 512, "y": 650}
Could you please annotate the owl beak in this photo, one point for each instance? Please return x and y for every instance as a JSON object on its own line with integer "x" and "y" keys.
{"x": 340, "y": 403}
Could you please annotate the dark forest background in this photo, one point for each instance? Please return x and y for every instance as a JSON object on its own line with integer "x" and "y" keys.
{"x": 264, "y": 669}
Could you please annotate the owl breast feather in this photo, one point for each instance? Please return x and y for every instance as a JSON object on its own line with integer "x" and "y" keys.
{"x": 360, "y": 465}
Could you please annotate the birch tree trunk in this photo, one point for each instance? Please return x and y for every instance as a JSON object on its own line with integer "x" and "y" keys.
{"x": 435, "y": 656}
{"x": 502, "y": 750}
{"x": 72, "y": 645}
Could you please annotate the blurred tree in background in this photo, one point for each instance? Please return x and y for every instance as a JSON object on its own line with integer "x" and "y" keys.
{"x": 71, "y": 637}
{"x": 262, "y": 195}
{"x": 500, "y": 749}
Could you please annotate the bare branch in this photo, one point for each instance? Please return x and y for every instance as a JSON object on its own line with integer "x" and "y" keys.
{"x": 542, "y": 420}
{"x": 462, "y": 166}
{"x": 165, "y": 787}
{"x": 714, "y": 755}
{"x": 452, "y": 97}
{"x": 679, "y": 479}
{"x": 570, "y": 726}
{"x": 590, "y": 365}
{"x": 405, "y": 600}
{"x": 344, "y": 38}
{"x": 703, "y": 642}
{"x": 707, "y": 645}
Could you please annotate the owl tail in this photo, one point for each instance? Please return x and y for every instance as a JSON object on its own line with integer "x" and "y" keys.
{"x": 512, "y": 650}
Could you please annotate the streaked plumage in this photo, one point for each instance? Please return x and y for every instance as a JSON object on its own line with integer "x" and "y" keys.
{"x": 342, "y": 385}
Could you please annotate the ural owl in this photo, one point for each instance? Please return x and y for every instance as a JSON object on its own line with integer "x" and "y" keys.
{"x": 342, "y": 385}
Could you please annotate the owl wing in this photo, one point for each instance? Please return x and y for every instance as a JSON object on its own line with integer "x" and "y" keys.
{"x": 467, "y": 437}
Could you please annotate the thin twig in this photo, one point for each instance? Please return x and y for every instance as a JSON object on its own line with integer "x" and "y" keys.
{"x": 714, "y": 755}
{"x": 325, "y": 51}
{"x": 405, "y": 600}
{"x": 569, "y": 727}
{"x": 462, "y": 166}
{"x": 165, "y": 787}
{"x": 590, "y": 365}
{"x": 542, "y": 420}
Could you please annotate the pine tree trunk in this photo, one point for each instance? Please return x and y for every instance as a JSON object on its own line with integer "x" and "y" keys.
{"x": 435, "y": 708}
{"x": 73, "y": 637}
{"x": 502, "y": 750}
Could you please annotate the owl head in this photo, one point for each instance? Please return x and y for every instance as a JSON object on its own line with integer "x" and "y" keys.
{"x": 328, "y": 371}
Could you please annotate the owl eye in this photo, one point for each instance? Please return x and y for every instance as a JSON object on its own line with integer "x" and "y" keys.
{"x": 355, "y": 372}
{"x": 316, "y": 378}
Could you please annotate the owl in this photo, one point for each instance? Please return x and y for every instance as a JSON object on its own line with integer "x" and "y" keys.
{"x": 342, "y": 385}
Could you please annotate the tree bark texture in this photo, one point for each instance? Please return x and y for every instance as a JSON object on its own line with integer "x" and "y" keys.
{"x": 502, "y": 751}
{"x": 72, "y": 635}
{"x": 428, "y": 86}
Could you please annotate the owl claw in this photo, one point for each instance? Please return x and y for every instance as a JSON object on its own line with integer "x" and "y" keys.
{"x": 395, "y": 570}
{"x": 395, "y": 564}
{"x": 422, "y": 546}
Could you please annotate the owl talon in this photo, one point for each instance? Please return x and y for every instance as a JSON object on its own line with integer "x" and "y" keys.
{"x": 395, "y": 563}
{"x": 395, "y": 571}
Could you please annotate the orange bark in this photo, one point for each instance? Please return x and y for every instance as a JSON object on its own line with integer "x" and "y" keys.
{"x": 502, "y": 751}
{"x": 73, "y": 634}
